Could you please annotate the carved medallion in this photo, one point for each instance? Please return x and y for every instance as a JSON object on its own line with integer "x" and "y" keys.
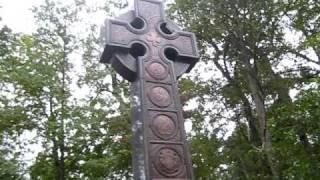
{"x": 163, "y": 126}
{"x": 160, "y": 96}
{"x": 168, "y": 162}
{"x": 157, "y": 70}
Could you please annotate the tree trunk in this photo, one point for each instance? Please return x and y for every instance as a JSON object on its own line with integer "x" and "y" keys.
{"x": 259, "y": 101}
{"x": 253, "y": 131}
{"x": 59, "y": 175}
{"x": 247, "y": 110}
{"x": 61, "y": 135}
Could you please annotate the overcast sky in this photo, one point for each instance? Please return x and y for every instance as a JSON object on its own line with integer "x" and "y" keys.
{"x": 17, "y": 14}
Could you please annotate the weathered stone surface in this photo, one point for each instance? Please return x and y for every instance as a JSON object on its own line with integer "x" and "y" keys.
{"x": 152, "y": 52}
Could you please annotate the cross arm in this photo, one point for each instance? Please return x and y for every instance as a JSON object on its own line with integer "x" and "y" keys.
{"x": 150, "y": 10}
{"x": 182, "y": 48}
{"x": 119, "y": 37}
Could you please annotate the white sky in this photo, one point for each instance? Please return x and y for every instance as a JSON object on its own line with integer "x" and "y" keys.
{"x": 17, "y": 14}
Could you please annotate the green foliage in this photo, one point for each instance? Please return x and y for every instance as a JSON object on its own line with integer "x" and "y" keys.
{"x": 44, "y": 166}
{"x": 205, "y": 156}
{"x": 11, "y": 117}
{"x": 298, "y": 126}
{"x": 244, "y": 41}
{"x": 305, "y": 18}
{"x": 9, "y": 169}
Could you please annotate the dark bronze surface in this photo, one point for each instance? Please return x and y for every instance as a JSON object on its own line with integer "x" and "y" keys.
{"x": 152, "y": 52}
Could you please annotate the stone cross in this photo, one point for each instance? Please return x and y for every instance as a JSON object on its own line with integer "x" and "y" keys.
{"x": 152, "y": 52}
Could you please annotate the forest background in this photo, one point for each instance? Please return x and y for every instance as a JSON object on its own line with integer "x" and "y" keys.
{"x": 252, "y": 103}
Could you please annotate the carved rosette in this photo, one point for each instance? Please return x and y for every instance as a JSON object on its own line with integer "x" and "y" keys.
{"x": 164, "y": 127}
{"x": 157, "y": 70}
{"x": 169, "y": 162}
{"x": 160, "y": 96}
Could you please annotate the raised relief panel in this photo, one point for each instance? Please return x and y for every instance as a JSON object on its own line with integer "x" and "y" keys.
{"x": 158, "y": 71}
{"x": 168, "y": 161}
{"x": 164, "y": 127}
{"x": 159, "y": 96}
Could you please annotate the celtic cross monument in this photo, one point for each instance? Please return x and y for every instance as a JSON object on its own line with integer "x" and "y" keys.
{"x": 152, "y": 52}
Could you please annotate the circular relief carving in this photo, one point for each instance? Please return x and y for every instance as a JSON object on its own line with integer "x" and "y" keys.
{"x": 160, "y": 96}
{"x": 163, "y": 126}
{"x": 169, "y": 162}
{"x": 157, "y": 70}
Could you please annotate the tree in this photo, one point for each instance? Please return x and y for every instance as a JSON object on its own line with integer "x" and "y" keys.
{"x": 110, "y": 108}
{"x": 13, "y": 118}
{"x": 89, "y": 135}
{"x": 304, "y": 18}
{"x": 244, "y": 41}
{"x": 81, "y": 137}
